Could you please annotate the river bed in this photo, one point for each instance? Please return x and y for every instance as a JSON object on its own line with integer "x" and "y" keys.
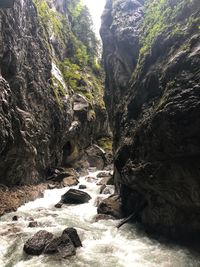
{"x": 103, "y": 244}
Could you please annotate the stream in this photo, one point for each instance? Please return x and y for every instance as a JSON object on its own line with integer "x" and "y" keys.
{"x": 103, "y": 244}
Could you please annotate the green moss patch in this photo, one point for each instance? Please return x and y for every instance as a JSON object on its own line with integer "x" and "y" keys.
{"x": 105, "y": 143}
{"x": 167, "y": 18}
{"x": 76, "y": 52}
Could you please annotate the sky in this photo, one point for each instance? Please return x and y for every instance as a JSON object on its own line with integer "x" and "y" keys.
{"x": 96, "y": 9}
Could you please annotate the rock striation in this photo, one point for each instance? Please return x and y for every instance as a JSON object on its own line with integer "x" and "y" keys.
{"x": 152, "y": 59}
{"x": 48, "y": 112}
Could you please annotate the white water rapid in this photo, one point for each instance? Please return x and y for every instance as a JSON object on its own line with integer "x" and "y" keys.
{"x": 103, "y": 244}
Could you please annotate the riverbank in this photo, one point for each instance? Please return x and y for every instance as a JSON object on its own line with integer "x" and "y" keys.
{"x": 103, "y": 244}
{"x": 13, "y": 198}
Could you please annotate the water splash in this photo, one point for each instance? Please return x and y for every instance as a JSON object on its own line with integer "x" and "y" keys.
{"x": 103, "y": 243}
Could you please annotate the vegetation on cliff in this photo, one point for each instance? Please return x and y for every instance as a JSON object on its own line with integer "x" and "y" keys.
{"x": 167, "y": 18}
{"x": 74, "y": 49}
{"x": 155, "y": 119}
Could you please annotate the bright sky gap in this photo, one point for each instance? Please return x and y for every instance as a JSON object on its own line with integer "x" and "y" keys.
{"x": 96, "y": 9}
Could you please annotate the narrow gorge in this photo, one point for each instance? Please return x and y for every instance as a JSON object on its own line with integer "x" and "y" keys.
{"x": 99, "y": 140}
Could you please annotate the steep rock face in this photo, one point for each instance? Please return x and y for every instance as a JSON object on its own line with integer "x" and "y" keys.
{"x": 38, "y": 118}
{"x": 120, "y": 51}
{"x": 156, "y": 126}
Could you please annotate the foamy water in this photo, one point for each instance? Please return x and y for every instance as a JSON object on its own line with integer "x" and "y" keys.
{"x": 103, "y": 243}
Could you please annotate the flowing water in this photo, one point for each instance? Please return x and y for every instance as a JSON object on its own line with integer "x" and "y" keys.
{"x": 103, "y": 244}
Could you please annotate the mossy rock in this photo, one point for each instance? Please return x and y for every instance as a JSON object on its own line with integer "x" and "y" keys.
{"x": 105, "y": 143}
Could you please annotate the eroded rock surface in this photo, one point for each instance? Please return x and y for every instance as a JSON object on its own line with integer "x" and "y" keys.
{"x": 62, "y": 245}
{"x": 73, "y": 235}
{"x": 48, "y": 112}
{"x": 152, "y": 59}
{"x": 36, "y": 244}
{"x": 111, "y": 206}
{"x": 44, "y": 242}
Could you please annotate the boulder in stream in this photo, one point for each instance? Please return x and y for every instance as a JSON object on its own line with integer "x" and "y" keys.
{"x": 36, "y": 244}
{"x": 63, "y": 245}
{"x": 82, "y": 186}
{"x": 58, "y": 205}
{"x": 59, "y": 174}
{"x": 96, "y": 157}
{"x": 104, "y": 189}
{"x": 73, "y": 235}
{"x": 33, "y": 224}
{"x": 44, "y": 242}
{"x": 69, "y": 181}
{"x": 74, "y": 196}
{"x": 15, "y": 218}
{"x": 111, "y": 206}
{"x": 107, "y": 179}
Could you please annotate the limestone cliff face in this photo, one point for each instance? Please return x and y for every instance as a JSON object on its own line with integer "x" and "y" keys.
{"x": 152, "y": 60}
{"x": 42, "y": 118}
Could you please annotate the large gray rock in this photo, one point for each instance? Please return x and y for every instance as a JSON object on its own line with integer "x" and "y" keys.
{"x": 43, "y": 242}
{"x": 69, "y": 181}
{"x": 111, "y": 206}
{"x": 74, "y": 196}
{"x": 96, "y": 157}
{"x": 73, "y": 235}
{"x": 36, "y": 244}
{"x": 62, "y": 245}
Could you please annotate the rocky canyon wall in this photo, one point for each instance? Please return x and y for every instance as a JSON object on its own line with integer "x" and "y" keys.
{"x": 51, "y": 106}
{"x": 152, "y": 63}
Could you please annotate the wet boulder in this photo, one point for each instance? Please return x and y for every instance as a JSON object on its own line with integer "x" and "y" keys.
{"x": 96, "y": 157}
{"x": 36, "y": 244}
{"x": 57, "y": 175}
{"x": 58, "y": 205}
{"x": 74, "y": 196}
{"x": 105, "y": 190}
{"x": 82, "y": 186}
{"x": 15, "y": 218}
{"x": 98, "y": 200}
{"x": 73, "y": 235}
{"x": 33, "y": 224}
{"x": 62, "y": 245}
{"x": 52, "y": 246}
{"x": 102, "y": 188}
{"x": 106, "y": 178}
{"x": 69, "y": 181}
{"x": 111, "y": 206}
